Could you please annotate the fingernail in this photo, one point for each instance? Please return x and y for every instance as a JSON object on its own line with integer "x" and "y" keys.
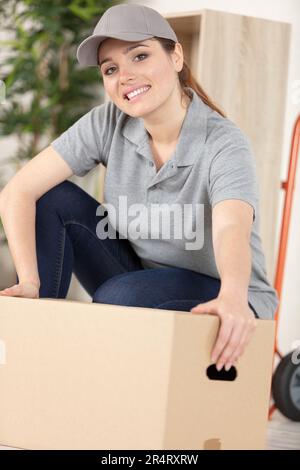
{"x": 219, "y": 367}
{"x": 227, "y": 367}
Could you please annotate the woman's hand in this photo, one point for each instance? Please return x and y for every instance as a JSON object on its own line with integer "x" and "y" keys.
{"x": 23, "y": 289}
{"x": 238, "y": 323}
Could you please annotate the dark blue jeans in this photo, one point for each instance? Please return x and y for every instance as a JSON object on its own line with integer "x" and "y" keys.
{"x": 109, "y": 270}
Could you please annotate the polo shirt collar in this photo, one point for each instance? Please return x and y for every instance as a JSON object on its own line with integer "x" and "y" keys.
{"x": 192, "y": 135}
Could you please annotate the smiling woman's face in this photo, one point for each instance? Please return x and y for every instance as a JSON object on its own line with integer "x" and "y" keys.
{"x": 147, "y": 64}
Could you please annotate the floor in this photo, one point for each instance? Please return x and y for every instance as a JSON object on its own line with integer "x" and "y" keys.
{"x": 283, "y": 434}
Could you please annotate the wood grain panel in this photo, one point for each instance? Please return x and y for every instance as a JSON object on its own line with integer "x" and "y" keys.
{"x": 243, "y": 65}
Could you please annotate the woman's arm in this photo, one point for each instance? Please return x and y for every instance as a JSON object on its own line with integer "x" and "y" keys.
{"x": 231, "y": 231}
{"x": 231, "y": 227}
{"x": 18, "y": 218}
{"x": 17, "y": 211}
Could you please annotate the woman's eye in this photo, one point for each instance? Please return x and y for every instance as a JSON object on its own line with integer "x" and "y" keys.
{"x": 106, "y": 72}
{"x": 139, "y": 55}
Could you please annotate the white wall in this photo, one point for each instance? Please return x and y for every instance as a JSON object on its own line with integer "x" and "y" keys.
{"x": 285, "y": 11}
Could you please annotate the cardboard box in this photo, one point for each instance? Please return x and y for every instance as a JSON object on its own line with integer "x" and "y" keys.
{"x": 77, "y": 375}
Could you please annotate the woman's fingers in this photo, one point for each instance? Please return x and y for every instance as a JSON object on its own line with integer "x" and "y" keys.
{"x": 223, "y": 337}
{"x": 240, "y": 337}
{"x": 9, "y": 290}
{"x": 24, "y": 289}
{"x": 240, "y": 349}
{"x": 234, "y": 344}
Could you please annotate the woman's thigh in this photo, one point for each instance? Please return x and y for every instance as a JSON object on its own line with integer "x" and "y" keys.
{"x": 158, "y": 288}
{"x": 163, "y": 288}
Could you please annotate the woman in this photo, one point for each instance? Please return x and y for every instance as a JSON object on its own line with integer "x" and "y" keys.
{"x": 165, "y": 145}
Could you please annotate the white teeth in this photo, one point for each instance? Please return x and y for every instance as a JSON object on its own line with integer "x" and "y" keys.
{"x": 137, "y": 92}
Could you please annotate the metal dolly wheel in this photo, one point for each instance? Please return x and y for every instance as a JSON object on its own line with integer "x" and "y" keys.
{"x": 286, "y": 387}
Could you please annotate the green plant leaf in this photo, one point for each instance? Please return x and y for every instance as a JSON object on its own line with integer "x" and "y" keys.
{"x": 34, "y": 69}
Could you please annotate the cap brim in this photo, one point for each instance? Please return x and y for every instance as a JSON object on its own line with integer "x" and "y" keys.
{"x": 87, "y": 49}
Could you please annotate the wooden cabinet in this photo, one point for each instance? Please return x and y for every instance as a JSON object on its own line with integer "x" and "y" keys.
{"x": 242, "y": 64}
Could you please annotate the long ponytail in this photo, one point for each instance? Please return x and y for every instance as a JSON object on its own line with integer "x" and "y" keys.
{"x": 186, "y": 77}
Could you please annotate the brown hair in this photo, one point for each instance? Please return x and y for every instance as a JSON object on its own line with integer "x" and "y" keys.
{"x": 186, "y": 78}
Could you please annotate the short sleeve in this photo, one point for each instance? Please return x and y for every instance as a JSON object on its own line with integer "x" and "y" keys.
{"x": 86, "y": 143}
{"x": 232, "y": 175}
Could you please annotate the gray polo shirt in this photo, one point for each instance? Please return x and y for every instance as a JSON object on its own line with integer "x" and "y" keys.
{"x": 212, "y": 162}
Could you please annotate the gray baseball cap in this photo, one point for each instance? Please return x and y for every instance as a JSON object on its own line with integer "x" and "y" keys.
{"x": 127, "y": 22}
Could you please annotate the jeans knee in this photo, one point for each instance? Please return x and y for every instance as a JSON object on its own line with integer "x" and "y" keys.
{"x": 55, "y": 196}
{"x": 105, "y": 296}
{"x": 121, "y": 289}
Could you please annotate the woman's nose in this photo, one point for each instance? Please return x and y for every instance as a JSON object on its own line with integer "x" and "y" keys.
{"x": 126, "y": 73}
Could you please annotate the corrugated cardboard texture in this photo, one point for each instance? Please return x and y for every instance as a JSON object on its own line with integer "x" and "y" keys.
{"x": 77, "y": 375}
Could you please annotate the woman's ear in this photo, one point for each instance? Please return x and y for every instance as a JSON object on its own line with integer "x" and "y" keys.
{"x": 177, "y": 56}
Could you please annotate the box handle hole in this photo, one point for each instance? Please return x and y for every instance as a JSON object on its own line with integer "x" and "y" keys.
{"x": 214, "y": 374}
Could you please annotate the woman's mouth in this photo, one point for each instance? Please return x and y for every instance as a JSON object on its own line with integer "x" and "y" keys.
{"x": 138, "y": 95}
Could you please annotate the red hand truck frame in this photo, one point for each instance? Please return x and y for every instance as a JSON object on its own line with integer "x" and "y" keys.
{"x": 288, "y": 186}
